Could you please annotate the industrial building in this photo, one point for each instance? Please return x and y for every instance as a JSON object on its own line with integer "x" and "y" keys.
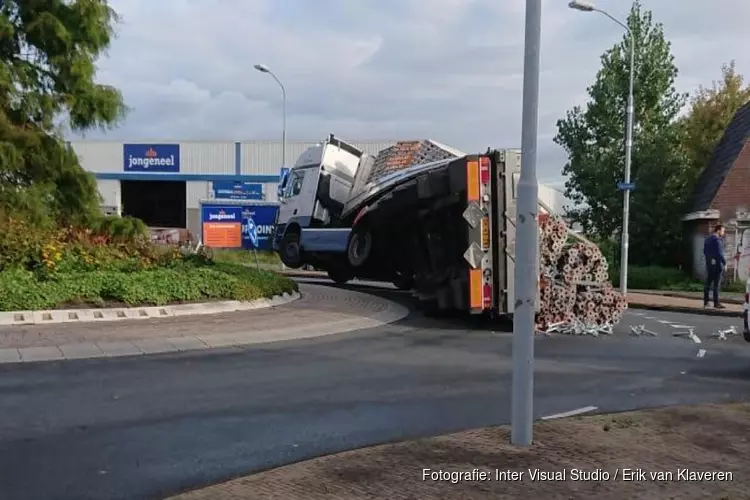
{"x": 164, "y": 182}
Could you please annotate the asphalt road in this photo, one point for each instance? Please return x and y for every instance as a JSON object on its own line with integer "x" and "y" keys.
{"x": 132, "y": 428}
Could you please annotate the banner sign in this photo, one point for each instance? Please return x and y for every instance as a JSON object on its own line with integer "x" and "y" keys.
{"x": 227, "y": 226}
{"x": 162, "y": 158}
{"x": 237, "y": 190}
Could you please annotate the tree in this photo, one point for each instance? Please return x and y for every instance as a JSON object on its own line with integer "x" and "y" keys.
{"x": 711, "y": 111}
{"x": 593, "y": 138}
{"x": 48, "y": 52}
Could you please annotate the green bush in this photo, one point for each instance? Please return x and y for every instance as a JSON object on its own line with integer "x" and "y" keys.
{"x": 21, "y": 289}
{"x": 667, "y": 279}
{"x": 120, "y": 228}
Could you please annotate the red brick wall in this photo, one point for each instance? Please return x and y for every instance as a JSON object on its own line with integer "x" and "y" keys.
{"x": 735, "y": 192}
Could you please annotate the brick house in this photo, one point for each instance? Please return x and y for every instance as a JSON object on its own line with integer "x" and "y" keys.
{"x": 722, "y": 195}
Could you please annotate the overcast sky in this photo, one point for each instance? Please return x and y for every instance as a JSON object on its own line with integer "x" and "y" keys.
{"x": 449, "y": 70}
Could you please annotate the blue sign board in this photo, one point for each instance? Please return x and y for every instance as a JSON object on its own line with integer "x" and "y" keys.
{"x": 264, "y": 220}
{"x": 251, "y": 230}
{"x": 626, "y": 186}
{"x": 151, "y": 158}
{"x": 237, "y": 190}
{"x": 257, "y": 223}
{"x": 216, "y": 213}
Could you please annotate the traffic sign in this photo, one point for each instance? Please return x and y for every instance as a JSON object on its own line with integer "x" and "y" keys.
{"x": 252, "y": 231}
{"x": 626, "y": 186}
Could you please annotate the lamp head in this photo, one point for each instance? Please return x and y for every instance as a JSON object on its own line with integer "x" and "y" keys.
{"x": 262, "y": 68}
{"x": 582, "y": 5}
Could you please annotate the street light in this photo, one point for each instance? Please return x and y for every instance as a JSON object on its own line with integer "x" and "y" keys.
{"x": 264, "y": 69}
{"x": 527, "y": 239}
{"x": 587, "y": 6}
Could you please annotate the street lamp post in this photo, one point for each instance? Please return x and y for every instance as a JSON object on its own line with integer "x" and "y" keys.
{"x": 587, "y": 6}
{"x": 527, "y": 239}
{"x": 264, "y": 69}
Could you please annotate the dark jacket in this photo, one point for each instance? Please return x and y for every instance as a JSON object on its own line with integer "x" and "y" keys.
{"x": 713, "y": 249}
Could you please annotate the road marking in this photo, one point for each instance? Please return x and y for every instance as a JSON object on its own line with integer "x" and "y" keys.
{"x": 681, "y": 326}
{"x": 701, "y": 353}
{"x": 585, "y": 409}
{"x": 665, "y": 322}
{"x": 649, "y": 317}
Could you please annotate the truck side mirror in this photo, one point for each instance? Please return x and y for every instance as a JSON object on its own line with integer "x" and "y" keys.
{"x": 283, "y": 178}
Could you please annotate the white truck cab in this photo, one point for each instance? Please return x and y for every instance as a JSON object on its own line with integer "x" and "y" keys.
{"x": 313, "y": 195}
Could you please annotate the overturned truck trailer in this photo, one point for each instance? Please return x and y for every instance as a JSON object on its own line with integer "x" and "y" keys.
{"x": 421, "y": 215}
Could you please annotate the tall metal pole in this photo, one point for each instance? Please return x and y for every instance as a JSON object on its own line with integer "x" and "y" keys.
{"x": 628, "y": 159}
{"x": 283, "y": 123}
{"x": 588, "y": 6}
{"x": 527, "y": 236}
{"x": 264, "y": 69}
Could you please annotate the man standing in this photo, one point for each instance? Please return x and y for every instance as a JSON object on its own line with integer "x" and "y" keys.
{"x": 713, "y": 250}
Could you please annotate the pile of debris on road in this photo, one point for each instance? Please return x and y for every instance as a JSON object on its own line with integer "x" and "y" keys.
{"x": 575, "y": 292}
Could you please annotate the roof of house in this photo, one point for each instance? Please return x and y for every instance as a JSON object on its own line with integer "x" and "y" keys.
{"x": 725, "y": 154}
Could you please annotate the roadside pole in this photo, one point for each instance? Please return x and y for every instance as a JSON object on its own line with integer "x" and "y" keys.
{"x": 527, "y": 244}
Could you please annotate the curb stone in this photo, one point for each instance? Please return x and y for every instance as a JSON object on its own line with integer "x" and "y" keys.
{"x": 683, "y": 295}
{"x": 19, "y": 318}
{"x": 391, "y": 313}
{"x": 689, "y": 310}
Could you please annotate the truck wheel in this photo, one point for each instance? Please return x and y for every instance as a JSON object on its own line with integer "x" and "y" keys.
{"x": 290, "y": 252}
{"x": 404, "y": 281}
{"x": 339, "y": 276}
{"x": 359, "y": 247}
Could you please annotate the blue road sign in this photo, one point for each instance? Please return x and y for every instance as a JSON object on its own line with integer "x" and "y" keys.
{"x": 251, "y": 230}
{"x": 626, "y": 186}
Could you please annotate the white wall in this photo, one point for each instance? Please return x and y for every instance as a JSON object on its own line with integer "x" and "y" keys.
{"x": 109, "y": 191}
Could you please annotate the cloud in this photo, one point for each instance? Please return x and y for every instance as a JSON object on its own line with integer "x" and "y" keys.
{"x": 381, "y": 69}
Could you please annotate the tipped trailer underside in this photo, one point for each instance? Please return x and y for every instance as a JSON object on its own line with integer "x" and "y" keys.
{"x": 444, "y": 230}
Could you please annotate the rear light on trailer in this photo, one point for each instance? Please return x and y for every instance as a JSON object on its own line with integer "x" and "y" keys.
{"x": 484, "y": 170}
{"x": 472, "y": 180}
{"x": 476, "y": 292}
{"x": 487, "y": 295}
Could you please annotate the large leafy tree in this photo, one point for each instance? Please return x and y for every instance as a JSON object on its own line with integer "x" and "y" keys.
{"x": 711, "y": 111}
{"x": 48, "y": 53}
{"x": 593, "y": 137}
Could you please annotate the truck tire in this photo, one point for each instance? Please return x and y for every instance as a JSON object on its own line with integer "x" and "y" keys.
{"x": 290, "y": 251}
{"x": 359, "y": 248}
{"x": 404, "y": 281}
{"x": 339, "y": 276}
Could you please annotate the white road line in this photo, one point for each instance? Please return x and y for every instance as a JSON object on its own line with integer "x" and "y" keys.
{"x": 665, "y": 322}
{"x": 696, "y": 339}
{"x": 649, "y": 317}
{"x": 701, "y": 353}
{"x": 681, "y": 326}
{"x": 585, "y": 409}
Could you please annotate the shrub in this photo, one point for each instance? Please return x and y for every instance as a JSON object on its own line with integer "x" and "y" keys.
{"x": 21, "y": 289}
{"x": 665, "y": 278}
{"x": 115, "y": 244}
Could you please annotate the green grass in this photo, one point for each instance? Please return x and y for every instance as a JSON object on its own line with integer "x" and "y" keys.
{"x": 246, "y": 257}
{"x": 25, "y": 290}
{"x": 667, "y": 279}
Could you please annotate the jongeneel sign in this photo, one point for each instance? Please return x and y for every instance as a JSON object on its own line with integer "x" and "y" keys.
{"x": 164, "y": 158}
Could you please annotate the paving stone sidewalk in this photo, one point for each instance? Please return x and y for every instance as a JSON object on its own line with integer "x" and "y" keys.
{"x": 321, "y": 311}
{"x": 679, "y": 304}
